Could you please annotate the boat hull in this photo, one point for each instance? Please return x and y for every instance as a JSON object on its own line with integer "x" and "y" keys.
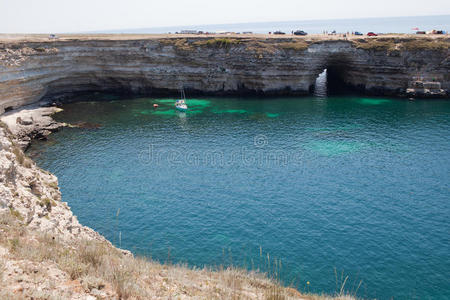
{"x": 181, "y": 108}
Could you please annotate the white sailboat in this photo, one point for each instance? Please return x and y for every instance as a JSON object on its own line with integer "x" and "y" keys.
{"x": 181, "y": 103}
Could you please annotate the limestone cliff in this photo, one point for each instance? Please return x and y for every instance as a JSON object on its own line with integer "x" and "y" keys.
{"x": 33, "y": 69}
{"x": 46, "y": 253}
{"x": 32, "y": 194}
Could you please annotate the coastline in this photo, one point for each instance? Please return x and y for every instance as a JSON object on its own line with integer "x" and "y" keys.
{"x": 34, "y": 218}
{"x": 43, "y": 244}
{"x": 18, "y": 37}
{"x": 34, "y": 68}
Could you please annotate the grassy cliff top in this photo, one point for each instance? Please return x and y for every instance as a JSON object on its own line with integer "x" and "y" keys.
{"x": 260, "y": 43}
{"x": 11, "y": 38}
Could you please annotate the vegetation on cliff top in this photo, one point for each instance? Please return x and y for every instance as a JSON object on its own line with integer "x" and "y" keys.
{"x": 258, "y": 46}
{"x": 98, "y": 268}
{"x": 261, "y": 46}
{"x": 218, "y": 42}
{"x": 409, "y": 44}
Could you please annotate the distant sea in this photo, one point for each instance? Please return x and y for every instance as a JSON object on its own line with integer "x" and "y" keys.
{"x": 380, "y": 25}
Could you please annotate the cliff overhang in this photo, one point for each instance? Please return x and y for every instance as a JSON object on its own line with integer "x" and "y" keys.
{"x": 33, "y": 69}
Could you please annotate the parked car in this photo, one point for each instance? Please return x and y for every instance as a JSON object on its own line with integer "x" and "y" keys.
{"x": 372, "y": 34}
{"x": 421, "y": 32}
{"x": 358, "y": 33}
{"x": 300, "y": 32}
{"x": 278, "y": 32}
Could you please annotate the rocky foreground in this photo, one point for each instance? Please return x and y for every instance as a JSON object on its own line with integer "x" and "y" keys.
{"x": 45, "y": 253}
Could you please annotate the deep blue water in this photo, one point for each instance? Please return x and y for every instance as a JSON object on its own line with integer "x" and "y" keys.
{"x": 381, "y": 25}
{"x": 360, "y": 185}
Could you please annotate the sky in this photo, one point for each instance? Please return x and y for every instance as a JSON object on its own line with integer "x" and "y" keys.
{"x": 59, "y": 16}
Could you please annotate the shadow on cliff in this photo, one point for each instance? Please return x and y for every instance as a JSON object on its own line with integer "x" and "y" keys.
{"x": 335, "y": 78}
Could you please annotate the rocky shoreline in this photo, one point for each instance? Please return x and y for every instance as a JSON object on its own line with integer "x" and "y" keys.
{"x": 26, "y": 189}
{"x": 45, "y": 253}
{"x": 31, "y": 122}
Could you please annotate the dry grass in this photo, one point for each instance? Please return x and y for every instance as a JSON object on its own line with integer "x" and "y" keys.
{"x": 47, "y": 203}
{"x": 96, "y": 265}
{"x": 297, "y": 45}
{"x": 180, "y": 44}
{"x": 15, "y": 214}
{"x": 393, "y": 44}
{"x": 218, "y": 43}
{"x": 275, "y": 293}
{"x": 20, "y": 156}
{"x": 53, "y": 184}
{"x": 22, "y": 159}
{"x": 409, "y": 44}
{"x": 432, "y": 45}
{"x": 4, "y": 126}
{"x": 259, "y": 46}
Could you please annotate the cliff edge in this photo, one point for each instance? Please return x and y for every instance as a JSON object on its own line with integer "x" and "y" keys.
{"x": 34, "y": 68}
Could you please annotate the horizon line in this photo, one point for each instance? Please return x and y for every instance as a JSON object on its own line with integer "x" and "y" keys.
{"x": 257, "y": 22}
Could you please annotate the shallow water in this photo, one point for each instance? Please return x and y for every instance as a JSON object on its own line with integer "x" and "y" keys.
{"x": 359, "y": 185}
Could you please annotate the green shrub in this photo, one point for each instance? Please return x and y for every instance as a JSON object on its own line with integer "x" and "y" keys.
{"x": 20, "y": 156}
{"x": 16, "y": 214}
{"x": 294, "y": 45}
{"x": 218, "y": 43}
{"x": 47, "y": 203}
{"x": 53, "y": 184}
{"x": 14, "y": 244}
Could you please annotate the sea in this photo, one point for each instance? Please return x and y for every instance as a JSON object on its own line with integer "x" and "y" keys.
{"x": 306, "y": 189}
{"x": 378, "y": 25}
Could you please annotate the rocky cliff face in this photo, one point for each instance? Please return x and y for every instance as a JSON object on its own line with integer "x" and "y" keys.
{"x": 32, "y": 195}
{"x": 30, "y": 71}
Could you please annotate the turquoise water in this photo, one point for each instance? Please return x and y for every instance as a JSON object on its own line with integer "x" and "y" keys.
{"x": 356, "y": 185}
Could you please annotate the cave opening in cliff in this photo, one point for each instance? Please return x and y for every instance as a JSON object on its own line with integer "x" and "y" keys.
{"x": 320, "y": 86}
{"x": 331, "y": 82}
{"x": 334, "y": 78}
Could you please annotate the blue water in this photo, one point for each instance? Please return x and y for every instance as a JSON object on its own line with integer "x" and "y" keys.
{"x": 380, "y": 25}
{"x": 352, "y": 184}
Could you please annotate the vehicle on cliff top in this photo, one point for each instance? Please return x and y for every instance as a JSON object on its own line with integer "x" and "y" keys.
{"x": 278, "y": 32}
{"x": 357, "y": 33}
{"x": 372, "y": 34}
{"x": 300, "y": 32}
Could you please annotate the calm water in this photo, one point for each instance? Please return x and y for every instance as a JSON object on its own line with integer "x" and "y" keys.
{"x": 359, "y": 185}
{"x": 384, "y": 25}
